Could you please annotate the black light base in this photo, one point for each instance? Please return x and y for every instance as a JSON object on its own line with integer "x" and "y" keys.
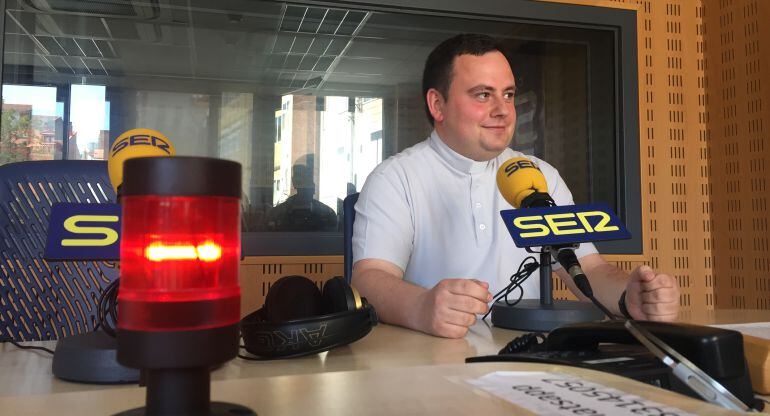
{"x": 216, "y": 409}
{"x": 533, "y": 315}
{"x": 176, "y": 369}
{"x": 183, "y": 392}
{"x": 91, "y": 358}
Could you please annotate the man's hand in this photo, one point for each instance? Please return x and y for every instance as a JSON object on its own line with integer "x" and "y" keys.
{"x": 651, "y": 296}
{"x": 450, "y": 307}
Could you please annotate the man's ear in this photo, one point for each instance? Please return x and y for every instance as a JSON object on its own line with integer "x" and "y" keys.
{"x": 435, "y": 104}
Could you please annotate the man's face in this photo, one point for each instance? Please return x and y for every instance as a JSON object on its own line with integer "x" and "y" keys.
{"x": 477, "y": 118}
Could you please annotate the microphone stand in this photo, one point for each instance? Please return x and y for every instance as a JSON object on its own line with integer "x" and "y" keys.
{"x": 543, "y": 314}
{"x": 546, "y": 286}
{"x": 91, "y": 357}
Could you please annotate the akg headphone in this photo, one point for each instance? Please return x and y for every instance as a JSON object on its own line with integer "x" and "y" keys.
{"x": 298, "y": 319}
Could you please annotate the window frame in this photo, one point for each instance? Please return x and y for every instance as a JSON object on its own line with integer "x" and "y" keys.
{"x": 621, "y": 23}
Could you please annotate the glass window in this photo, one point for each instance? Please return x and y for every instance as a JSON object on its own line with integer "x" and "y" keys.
{"x": 307, "y": 98}
{"x": 31, "y": 124}
{"x": 89, "y": 120}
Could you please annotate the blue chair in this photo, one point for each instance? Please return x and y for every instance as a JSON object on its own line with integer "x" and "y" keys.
{"x": 349, "y": 215}
{"x": 42, "y": 300}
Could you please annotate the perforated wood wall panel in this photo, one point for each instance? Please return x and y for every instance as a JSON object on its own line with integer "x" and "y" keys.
{"x": 704, "y": 151}
{"x": 738, "y": 73}
{"x": 257, "y": 274}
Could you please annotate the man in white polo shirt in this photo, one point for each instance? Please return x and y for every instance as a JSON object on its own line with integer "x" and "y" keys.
{"x": 428, "y": 242}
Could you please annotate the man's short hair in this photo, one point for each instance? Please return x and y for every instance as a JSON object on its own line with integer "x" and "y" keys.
{"x": 439, "y": 65}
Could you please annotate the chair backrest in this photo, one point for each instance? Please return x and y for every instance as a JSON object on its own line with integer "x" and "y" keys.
{"x": 42, "y": 300}
{"x": 349, "y": 215}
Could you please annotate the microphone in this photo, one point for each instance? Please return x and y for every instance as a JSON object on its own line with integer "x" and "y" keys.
{"x": 135, "y": 143}
{"x": 88, "y": 231}
{"x": 523, "y": 185}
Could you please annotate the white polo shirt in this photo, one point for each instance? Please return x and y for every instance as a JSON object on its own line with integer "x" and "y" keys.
{"x": 436, "y": 215}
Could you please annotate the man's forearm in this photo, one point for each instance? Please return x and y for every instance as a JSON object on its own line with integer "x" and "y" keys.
{"x": 395, "y": 300}
{"x": 607, "y": 281}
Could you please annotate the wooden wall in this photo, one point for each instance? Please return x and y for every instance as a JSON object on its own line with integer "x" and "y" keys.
{"x": 738, "y": 94}
{"x": 257, "y": 274}
{"x": 703, "y": 148}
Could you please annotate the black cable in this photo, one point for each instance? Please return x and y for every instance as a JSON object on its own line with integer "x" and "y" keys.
{"x": 604, "y": 309}
{"x": 531, "y": 342}
{"x": 28, "y": 347}
{"x": 107, "y": 307}
{"x": 526, "y": 268}
{"x": 590, "y": 295}
{"x": 581, "y": 281}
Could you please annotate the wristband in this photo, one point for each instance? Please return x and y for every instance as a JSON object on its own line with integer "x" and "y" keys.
{"x": 622, "y": 305}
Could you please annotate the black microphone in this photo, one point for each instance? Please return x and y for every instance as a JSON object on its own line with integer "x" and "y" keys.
{"x": 523, "y": 185}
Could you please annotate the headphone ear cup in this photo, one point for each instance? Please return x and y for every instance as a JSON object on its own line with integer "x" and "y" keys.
{"x": 338, "y": 296}
{"x": 292, "y": 297}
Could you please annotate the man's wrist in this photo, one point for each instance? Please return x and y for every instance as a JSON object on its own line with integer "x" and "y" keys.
{"x": 622, "y": 306}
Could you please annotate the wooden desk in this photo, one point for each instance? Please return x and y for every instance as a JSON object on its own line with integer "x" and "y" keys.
{"x": 24, "y": 372}
{"x": 423, "y": 390}
{"x": 29, "y": 372}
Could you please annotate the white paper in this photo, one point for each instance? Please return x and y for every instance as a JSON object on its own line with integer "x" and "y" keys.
{"x": 562, "y": 394}
{"x": 755, "y": 329}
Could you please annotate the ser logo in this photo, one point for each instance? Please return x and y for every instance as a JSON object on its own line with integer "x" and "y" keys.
{"x": 79, "y": 225}
{"x": 569, "y": 224}
{"x": 563, "y": 224}
{"x": 141, "y": 140}
{"x": 83, "y": 232}
{"x": 519, "y": 164}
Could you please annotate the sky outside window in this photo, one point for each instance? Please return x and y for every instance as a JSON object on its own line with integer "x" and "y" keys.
{"x": 42, "y": 99}
{"x": 88, "y": 115}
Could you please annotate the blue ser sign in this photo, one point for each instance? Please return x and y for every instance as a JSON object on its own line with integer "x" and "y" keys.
{"x": 83, "y": 232}
{"x": 567, "y": 224}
